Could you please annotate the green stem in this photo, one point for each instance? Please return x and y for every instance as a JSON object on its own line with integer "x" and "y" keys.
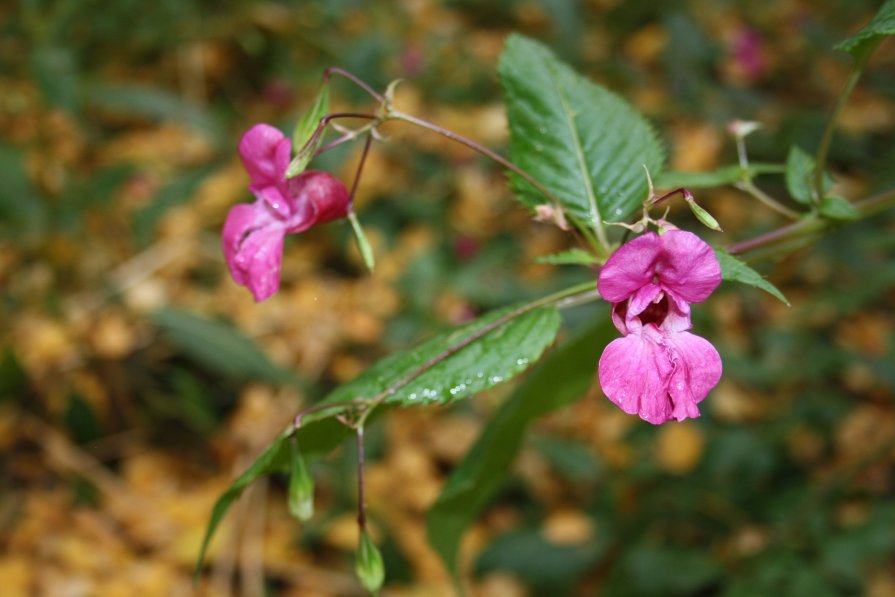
{"x": 749, "y": 187}
{"x": 824, "y": 148}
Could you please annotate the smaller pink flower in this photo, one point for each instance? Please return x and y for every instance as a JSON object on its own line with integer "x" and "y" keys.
{"x": 657, "y": 369}
{"x": 253, "y": 234}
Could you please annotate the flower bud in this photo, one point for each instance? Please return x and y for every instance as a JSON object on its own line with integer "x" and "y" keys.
{"x": 368, "y": 567}
{"x": 301, "y": 487}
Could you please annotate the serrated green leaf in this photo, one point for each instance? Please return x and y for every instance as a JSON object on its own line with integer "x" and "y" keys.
{"x": 726, "y": 175}
{"x": 497, "y": 356}
{"x": 478, "y": 476}
{"x": 733, "y": 269}
{"x": 219, "y": 346}
{"x": 274, "y": 458}
{"x": 578, "y": 139}
{"x": 570, "y": 257}
{"x": 864, "y": 41}
{"x": 838, "y": 208}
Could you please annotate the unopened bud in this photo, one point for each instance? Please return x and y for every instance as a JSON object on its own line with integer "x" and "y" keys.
{"x": 301, "y": 487}
{"x": 368, "y": 567}
{"x": 742, "y": 128}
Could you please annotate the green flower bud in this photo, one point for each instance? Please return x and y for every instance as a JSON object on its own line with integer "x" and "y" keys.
{"x": 368, "y": 567}
{"x": 301, "y": 487}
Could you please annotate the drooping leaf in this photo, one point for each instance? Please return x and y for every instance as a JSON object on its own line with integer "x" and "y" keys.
{"x": 477, "y": 478}
{"x": 726, "y": 175}
{"x": 571, "y": 257}
{"x": 274, "y": 458}
{"x": 838, "y": 208}
{"x": 584, "y": 143}
{"x": 219, "y": 346}
{"x": 474, "y": 363}
{"x": 862, "y": 43}
{"x": 735, "y": 270}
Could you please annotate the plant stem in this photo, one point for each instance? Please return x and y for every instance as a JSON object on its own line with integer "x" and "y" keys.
{"x": 824, "y": 147}
{"x": 361, "y": 505}
{"x": 749, "y": 187}
{"x": 335, "y": 70}
{"x": 297, "y": 421}
{"x": 396, "y": 115}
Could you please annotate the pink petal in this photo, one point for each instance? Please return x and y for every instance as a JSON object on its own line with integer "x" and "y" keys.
{"x": 252, "y": 242}
{"x": 697, "y": 369}
{"x": 320, "y": 193}
{"x": 265, "y": 154}
{"x": 634, "y": 372}
{"x": 688, "y": 267}
{"x": 630, "y": 268}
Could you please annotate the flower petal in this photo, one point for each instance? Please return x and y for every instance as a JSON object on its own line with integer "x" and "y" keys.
{"x": 630, "y": 268}
{"x": 265, "y": 154}
{"x": 634, "y": 373}
{"x": 697, "y": 369}
{"x": 252, "y": 241}
{"x": 317, "y": 197}
{"x": 688, "y": 267}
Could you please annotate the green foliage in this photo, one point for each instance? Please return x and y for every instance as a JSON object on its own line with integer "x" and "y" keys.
{"x": 862, "y": 43}
{"x": 483, "y": 470}
{"x": 837, "y": 208}
{"x": 726, "y": 175}
{"x": 571, "y": 257}
{"x": 368, "y": 566}
{"x": 479, "y": 355}
{"x": 735, "y": 270}
{"x": 219, "y": 346}
{"x": 304, "y": 131}
{"x": 800, "y": 175}
{"x": 275, "y": 458}
{"x": 584, "y": 143}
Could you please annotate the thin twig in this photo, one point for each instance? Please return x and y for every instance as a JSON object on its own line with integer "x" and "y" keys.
{"x": 335, "y": 70}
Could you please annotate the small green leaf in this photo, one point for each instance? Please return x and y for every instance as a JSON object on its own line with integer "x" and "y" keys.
{"x": 474, "y": 365}
{"x": 838, "y": 208}
{"x": 479, "y": 475}
{"x": 219, "y": 346}
{"x": 304, "y": 130}
{"x": 800, "y": 175}
{"x": 735, "y": 270}
{"x": 274, "y": 458}
{"x": 862, "y": 43}
{"x": 369, "y": 567}
{"x": 570, "y": 257}
{"x": 363, "y": 244}
{"x": 584, "y": 143}
{"x": 707, "y": 219}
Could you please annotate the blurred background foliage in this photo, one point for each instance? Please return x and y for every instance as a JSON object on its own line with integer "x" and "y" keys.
{"x": 136, "y": 378}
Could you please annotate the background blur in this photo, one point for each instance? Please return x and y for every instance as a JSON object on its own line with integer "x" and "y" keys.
{"x": 136, "y": 379}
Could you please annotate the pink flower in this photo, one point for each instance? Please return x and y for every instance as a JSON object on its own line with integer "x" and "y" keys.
{"x": 253, "y": 233}
{"x": 657, "y": 369}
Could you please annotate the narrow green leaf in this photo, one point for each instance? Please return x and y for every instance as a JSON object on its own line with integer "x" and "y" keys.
{"x": 570, "y": 257}
{"x": 735, "y": 270}
{"x": 219, "y": 346}
{"x": 584, "y": 143}
{"x": 499, "y": 355}
{"x": 726, "y": 175}
{"x": 304, "y": 131}
{"x": 477, "y": 478}
{"x": 275, "y": 458}
{"x": 309, "y": 121}
{"x": 864, "y": 41}
{"x": 363, "y": 244}
{"x": 838, "y": 208}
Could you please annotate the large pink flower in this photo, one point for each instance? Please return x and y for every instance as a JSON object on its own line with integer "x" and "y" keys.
{"x": 658, "y": 370}
{"x": 254, "y": 232}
